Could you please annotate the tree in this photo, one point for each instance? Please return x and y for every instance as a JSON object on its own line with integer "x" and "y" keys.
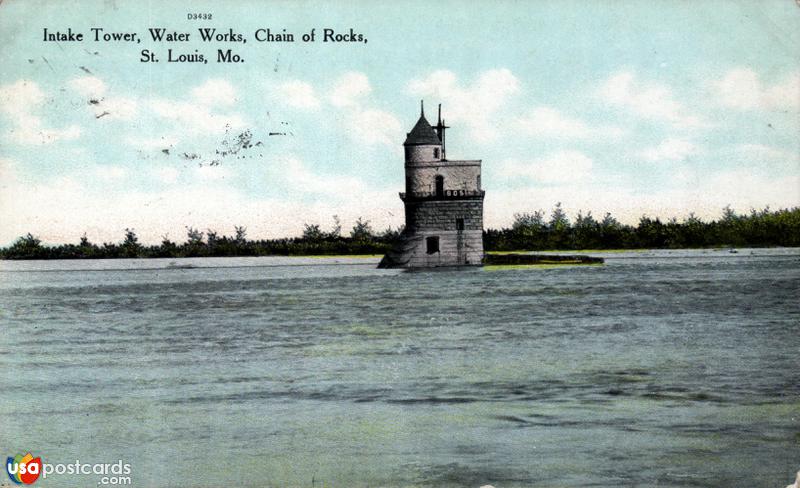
{"x": 336, "y": 231}
{"x": 559, "y": 228}
{"x": 211, "y": 237}
{"x": 130, "y": 245}
{"x": 362, "y": 231}
{"x": 728, "y": 215}
{"x": 194, "y": 236}
{"x": 312, "y": 233}
{"x": 527, "y": 221}
{"x": 586, "y": 231}
{"x": 609, "y": 221}
{"x": 241, "y": 234}
{"x": 558, "y": 219}
{"x": 26, "y": 247}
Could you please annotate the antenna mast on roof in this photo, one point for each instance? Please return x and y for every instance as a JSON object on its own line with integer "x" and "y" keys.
{"x": 440, "y": 127}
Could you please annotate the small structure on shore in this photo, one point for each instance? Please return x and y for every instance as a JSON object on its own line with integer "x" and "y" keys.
{"x": 443, "y": 204}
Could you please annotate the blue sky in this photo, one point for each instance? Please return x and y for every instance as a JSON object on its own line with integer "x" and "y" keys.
{"x": 657, "y": 108}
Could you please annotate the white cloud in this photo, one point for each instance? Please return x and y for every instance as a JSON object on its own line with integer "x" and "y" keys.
{"x": 61, "y": 210}
{"x": 556, "y": 168}
{"x": 349, "y": 89}
{"x": 194, "y": 117}
{"x": 670, "y": 150}
{"x": 110, "y": 172}
{"x": 742, "y": 88}
{"x": 88, "y": 86}
{"x": 166, "y": 174}
{"x": 152, "y": 143}
{"x": 549, "y": 122}
{"x": 298, "y": 94}
{"x": 649, "y": 100}
{"x": 476, "y": 104}
{"x": 212, "y": 173}
{"x": 117, "y": 108}
{"x": 215, "y": 92}
{"x": 29, "y": 130}
{"x": 200, "y": 114}
{"x": 295, "y": 176}
{"x": 19, "y": 101}
{"x": 372, "y": 126}
{"x": 361, "y": 120}
{"x": 701, "y": 194}
{"x": 102, "y": 105}
{"x": 761, "y": 153}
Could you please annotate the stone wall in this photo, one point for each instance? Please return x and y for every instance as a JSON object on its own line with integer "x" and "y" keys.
{"x": 423, "y": 153}
{"x": 458, "y": 175}
{"x": 436, "y": 215}
{"x": 456, "y": 248}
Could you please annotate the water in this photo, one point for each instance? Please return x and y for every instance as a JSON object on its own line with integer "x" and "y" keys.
{"x": 668, "y": 368}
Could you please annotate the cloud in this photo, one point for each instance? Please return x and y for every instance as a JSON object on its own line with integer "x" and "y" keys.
{"x": 648, "y": 100}
{"x": 103, "y": 106}
{"x": 761, "y": 153}
{"x": 215, "y": 92}
{"x": 298, "y": 94}
{"x": 556, "y": 168}
{"x": 110, "y": 172}
{"x": 194, "y": 117}
{"x": 705, "y": 195}
{"x": 295, "y": 176}
{"x": 475, "y": 104}
{"x": 88, "y": 86}
{"x": 372, "y": 126}
{"x": 19, "y": 102}
{"x": 741, "y": 88}
{"x": 29, "y": 130}
{"x": 199, "y": 114}
{"x": 549, "y": 122}
{"x": 166, "y": 174}
{"x": 349, "y": 89}
{"x": 361, "y": 120}
{"x": 670, "y": 150}
{"x": 152, "y": 143}
{"x": 61, "y": 210}
{"x": 212, "y": 173}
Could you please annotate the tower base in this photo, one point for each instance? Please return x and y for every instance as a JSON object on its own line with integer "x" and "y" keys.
{"x": 430, "y": 249}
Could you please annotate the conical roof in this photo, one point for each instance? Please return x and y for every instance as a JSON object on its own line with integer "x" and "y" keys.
{"x": 422, "y": 134}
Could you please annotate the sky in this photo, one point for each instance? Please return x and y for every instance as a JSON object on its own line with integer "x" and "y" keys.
{"x": 634, "y": 108}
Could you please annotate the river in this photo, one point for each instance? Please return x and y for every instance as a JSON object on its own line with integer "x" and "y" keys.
{"x": 667, "y": 368}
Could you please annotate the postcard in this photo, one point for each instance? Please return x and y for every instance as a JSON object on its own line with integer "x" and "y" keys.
{"x": 411, "y": 244}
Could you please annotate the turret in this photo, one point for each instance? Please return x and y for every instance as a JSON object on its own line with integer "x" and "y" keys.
{"x": 422, "y": 143}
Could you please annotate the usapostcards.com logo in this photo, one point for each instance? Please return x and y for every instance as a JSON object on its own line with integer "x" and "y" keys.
{"x": 25, "y": 470}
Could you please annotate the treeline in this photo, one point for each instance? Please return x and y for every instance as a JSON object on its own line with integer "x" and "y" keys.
{"x": 361, "y": 240}
{"x": 534, "y": 231}
{"x": 530, "y": 231}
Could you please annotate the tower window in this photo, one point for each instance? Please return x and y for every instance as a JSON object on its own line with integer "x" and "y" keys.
{"x": 479, "y": 182}
{"x": 432, "y": 244}
{"x": 436, "y": 152}
{"x": 439, "y": 185}
{"x": 459, "y": 224}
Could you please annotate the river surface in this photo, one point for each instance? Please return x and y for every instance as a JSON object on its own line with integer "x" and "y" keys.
{"x": 659, "y": 368}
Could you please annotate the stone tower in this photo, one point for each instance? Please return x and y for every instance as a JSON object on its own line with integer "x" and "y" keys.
{"x": 443, "y": 204}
